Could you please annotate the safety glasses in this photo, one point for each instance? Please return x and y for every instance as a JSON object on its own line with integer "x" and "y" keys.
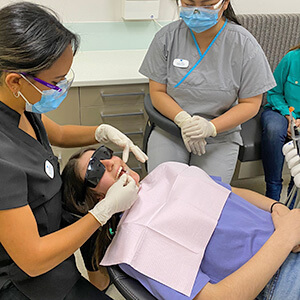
{"x": 62, "y": 86}
{"x": 197, "y": 9}
{"x": 96, "y": 169}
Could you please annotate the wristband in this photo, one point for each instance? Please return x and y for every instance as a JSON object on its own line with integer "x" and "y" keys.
{"x": 277, "y": 202}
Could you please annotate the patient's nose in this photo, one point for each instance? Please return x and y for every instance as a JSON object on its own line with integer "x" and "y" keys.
{"x": 108, "y": 164}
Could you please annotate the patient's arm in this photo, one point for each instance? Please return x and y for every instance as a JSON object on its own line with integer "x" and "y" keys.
{"x": 259, "y": 200}
{"x": 252, "y": 277}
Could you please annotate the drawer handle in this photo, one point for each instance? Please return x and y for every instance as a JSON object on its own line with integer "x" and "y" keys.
{"x": 142, "y": 93}
{"x": 134, "y": 132}
{"x": 119, "y": 153}
{"x": 136, "y": 168}
{"x": 135, "y": 113}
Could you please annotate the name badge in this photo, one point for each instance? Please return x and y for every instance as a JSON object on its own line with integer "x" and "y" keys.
{"x": 180, "y": 63}
{"x": 49, "y": 169}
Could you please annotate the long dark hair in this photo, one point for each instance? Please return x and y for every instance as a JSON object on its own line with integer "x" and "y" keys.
{"x": 32, "y": 38}
{"x": 79, "y": 200}
{"x": 295, "y": 47}
{"x": 228, "y": 13}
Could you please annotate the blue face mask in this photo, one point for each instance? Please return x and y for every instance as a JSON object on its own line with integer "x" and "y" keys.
{"x": 199, "y": 19}
{"x": 51, "y": 99}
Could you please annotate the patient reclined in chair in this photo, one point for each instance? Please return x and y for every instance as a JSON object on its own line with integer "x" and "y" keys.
{"x": 189, "y": 232}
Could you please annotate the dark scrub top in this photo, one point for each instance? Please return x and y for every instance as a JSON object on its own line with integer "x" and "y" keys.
{"x": 24, "y": 164}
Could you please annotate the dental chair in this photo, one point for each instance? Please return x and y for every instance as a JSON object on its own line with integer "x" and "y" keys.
{"x": 276, "y": 33}
{"x": 130, "y": 288}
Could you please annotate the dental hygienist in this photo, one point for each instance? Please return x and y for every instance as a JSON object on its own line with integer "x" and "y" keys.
{"x": 36, "y": 253}
{"x": 207, "y": 74}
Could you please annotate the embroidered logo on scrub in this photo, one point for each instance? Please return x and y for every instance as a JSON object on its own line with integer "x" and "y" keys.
{"x": 180, "y": 63}
{"x": 49, "y": 169}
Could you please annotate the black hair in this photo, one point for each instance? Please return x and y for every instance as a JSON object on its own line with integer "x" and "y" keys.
{"x": 295, "y": 47}
{"x": 79, "y": 199}
{"x": 32, "y": 38}
{"x": 230, "y": 14}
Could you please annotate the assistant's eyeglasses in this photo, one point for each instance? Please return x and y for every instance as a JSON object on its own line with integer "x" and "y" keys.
{"x": 197, "y": 9}
{"x": 96, "y": 169}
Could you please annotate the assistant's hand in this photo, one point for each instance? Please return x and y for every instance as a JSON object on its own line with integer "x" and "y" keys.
{"x": 106, "y": 133}
{"x": 197, "y": 146}
{"x": 199, "y": 127}
{"x": 120, "y": 196}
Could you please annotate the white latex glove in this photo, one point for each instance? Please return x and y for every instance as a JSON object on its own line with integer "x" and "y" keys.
{"x": 120, "y": 196}
{"x": 180, "y": 119}
{"x": 106, "y": 133}
{"x": 199, "y": 127}
{"x": 197, "y": 147}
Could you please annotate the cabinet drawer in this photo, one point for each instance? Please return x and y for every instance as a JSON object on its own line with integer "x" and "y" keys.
{"x": 125, "y": 121}
{"x": 68, "y": 112}
{"x": 129, "y": 95}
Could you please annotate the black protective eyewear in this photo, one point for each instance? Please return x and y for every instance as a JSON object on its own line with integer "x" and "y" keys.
{"x": 96, "y": 169}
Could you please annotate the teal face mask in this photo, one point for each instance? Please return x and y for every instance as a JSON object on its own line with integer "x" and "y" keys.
{"x": 51, "y": 99}
{"x": 199, "y": 19}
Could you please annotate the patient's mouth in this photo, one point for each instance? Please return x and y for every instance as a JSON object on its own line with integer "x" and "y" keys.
{"x": 120, "y": 172}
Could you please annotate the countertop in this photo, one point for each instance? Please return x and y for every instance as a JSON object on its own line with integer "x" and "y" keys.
{"x": 111, "y": 67}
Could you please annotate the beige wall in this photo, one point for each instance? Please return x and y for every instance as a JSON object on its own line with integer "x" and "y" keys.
{"x": 111, "y": 10}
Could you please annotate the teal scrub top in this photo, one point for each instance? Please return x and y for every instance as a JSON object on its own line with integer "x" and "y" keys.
{"x": 287, "y": 91}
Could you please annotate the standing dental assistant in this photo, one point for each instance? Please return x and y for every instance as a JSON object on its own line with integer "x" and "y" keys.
{"x": 36, "y": 254}
{"x": 207, "y": 74}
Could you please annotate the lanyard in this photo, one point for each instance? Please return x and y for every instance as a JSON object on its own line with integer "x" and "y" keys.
{"x": 201, "y": 55}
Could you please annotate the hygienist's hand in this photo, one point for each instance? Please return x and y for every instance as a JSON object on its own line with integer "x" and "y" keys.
{"x": 106, "y": 133}
{"x": 198, "y": 128}
{"x": 120, "y": 196}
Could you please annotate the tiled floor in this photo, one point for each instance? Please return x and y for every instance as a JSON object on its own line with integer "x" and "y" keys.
{"x": 256, "y": 184}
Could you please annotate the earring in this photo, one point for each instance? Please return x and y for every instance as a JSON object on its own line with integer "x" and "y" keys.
{"x": 16, "y": 94}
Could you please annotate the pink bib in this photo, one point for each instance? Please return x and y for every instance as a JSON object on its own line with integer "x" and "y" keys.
{"x": 166, "y": 231}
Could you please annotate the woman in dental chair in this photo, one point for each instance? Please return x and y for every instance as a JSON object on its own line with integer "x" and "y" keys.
{"x": 190, "y": 236}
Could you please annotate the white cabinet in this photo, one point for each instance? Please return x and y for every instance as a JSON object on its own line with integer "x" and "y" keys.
{"x": 121, "y": 106}
{"x": 66, "y": 114}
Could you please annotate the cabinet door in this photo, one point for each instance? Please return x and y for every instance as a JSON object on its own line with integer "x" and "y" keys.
{"x": 120, "y": 106}
{"x": 66, "y": 114}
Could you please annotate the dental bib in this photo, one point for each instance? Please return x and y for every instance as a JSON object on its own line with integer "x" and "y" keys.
{"x": 165, "y": 233}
